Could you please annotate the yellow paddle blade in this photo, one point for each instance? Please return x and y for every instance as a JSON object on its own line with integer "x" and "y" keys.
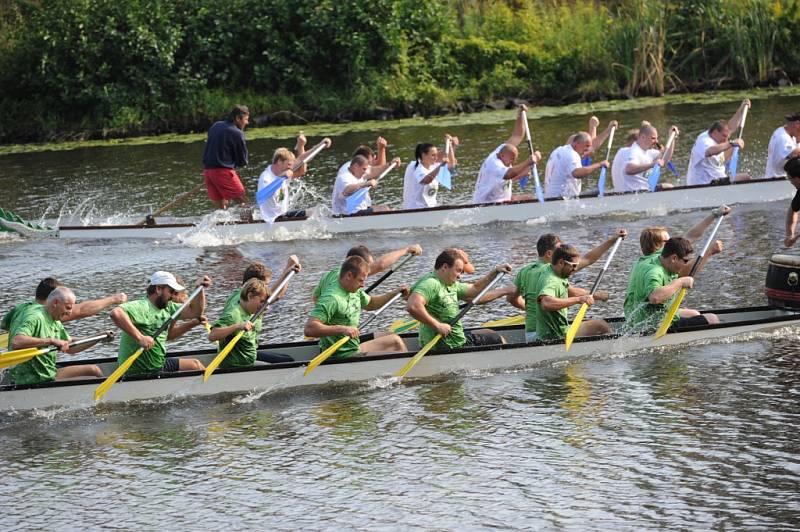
{"x": 114, "y": 377}
{"x": 221, "y": 356}
{"x": 401, "y": 326}
{"x": 576, "y": 323}
{"x": 319, "y": 359}
{"x": 670, "y": 314}
{"x": 519, "y": 319}
{"x": 418, "y": 356}
{"x": 21, "y": 356}
{"x": 4, "y": 341}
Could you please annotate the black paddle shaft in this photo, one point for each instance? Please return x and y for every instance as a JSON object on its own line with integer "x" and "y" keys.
{"x": 386, "y": 275}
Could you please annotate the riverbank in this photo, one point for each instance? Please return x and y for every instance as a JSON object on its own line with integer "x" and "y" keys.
{"x": 484, "y": 117}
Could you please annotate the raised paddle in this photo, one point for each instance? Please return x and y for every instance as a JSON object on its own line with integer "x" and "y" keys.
{"x": 12, "y": 358}
{"x": 268, "y": 191}
{"x": 662, "y": 330}
{"x": 120, "y": 371}
{"x": 354, "y": 199}
{"x": 601, "y": 183}
{"x": 4, "y": 341}
{"x": 444, "y": 177}
{"x": 536, "y": 183}
{"x": 322, "y": 357}
{"x": 389, "y": 272}
{"x": 229, "y": 347}
{"x": 171, "y": 204}
{"x": 430, "y": 345}
{"x": 655, "y": 173}
{"x": 576, "y": 322}
{"x": 734, "y": 163}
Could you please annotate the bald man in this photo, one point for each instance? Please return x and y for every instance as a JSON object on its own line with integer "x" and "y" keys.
{"x": 643, "y": 156}
{"x": 564, "y": 170}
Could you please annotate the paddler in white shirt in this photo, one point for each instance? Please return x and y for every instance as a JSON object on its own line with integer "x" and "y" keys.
{"x": 359, "y": 174}
{"x": 713, "y": 148}
{"x": 564, "y": 169}
{"x": 419, "y": 183}
{"x": 498, "y": 170}
{"x": 783, "y": 146}
{"x": 644, "y": 155}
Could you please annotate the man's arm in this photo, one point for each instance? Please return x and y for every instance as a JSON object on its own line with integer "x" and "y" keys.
{"x": 416, "y": 307}
{"x": 292, "y": 264}
{"x": 388, "y": 259}
{"x": 662, "y": 294}
{"x": 791, "y": 224}
{"x": 474, "y": 289}
{"x": 516, "y": 172}
{"x": 381, "y": 144}
{"x": 84, "y": 309}
{"x": 123, "y": 321}
{"x": 22, "y": 341}
{"x": 598, "y": 141}
{"x": 584, "y": 171}
{"x": 198, "y": 304}
{"x": 736, "y": 119}
{"x": 594, "y": 255}
{"x": 316, "y": 329}
{"x": 376, "y": 302}
{"x": 669, "y": 150}
{"x": 515, "y": 299}
{"x": 553, "y": 304}
{"x": 176, "y": 330}
{"x": 697, "y": 231}
{"x": 518, "y": 132}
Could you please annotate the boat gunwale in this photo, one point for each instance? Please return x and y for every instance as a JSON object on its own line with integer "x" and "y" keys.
{"x": 338, "y": 217}
{"x": 788, "y": 316}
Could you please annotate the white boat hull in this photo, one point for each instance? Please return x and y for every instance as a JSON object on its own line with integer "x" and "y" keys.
{"x": 79, "y": 394}
{"x": 695, "y": 197}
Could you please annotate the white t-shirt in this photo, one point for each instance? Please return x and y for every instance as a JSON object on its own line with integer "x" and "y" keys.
{"x": 415, "y": 194}
{"x": 278, "y": 203}
{"x": 703, "y": 170}
{"x": 781, "y": 144}
{"x": 491, "y": 186}
{"x": 559, "y": 182}
{"x": 618, "y": 169}
{"x": 636, "y": 155}
{"x": 343, "y": 180}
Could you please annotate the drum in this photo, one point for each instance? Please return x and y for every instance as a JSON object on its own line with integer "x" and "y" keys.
{"x": 782, "y": 286}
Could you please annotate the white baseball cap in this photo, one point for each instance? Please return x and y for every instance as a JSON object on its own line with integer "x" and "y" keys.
{"x": 166, "y": 278}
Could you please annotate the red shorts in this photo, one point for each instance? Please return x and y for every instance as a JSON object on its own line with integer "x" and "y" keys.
{"x": 222, "y": 183}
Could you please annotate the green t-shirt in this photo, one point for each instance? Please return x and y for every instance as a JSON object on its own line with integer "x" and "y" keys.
{"x": 8, "y": 319}
{"x": 36, "y": 322}
{"x": 337, "y": 306}
{"x": 525, "y": 281}
{"x": 233, "y": 300}
{"x": 328, "y": 280}
{"x": 442, "y": 304}
{"x": 245, "y": 350}
{"x": 147, "y": 318}
{"x": 647, "y": 275}
{"x": 550, "y": 325}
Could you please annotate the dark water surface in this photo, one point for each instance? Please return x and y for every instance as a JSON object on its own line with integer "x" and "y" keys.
{"x": 698, "y": 437}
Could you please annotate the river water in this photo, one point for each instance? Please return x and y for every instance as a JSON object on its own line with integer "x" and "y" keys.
{"x": 697, "y": 437}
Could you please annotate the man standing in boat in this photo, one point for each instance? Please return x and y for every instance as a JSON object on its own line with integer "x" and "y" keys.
{"x": 783, "y": 146}
{"x": 644, "y": 155}
{"x": 358, "y": 174}
{"x": 498, "y": 171}
{"x": 337, "y": 313}
{"x": 434, "y": 303}
{"x": 792, "y": 169}
{"x": 713, "y": 148}
{"x": 79, "y": 311}
{"x": 41, "y": 326}
{"x": 225, "y": 151}
{"x": 564, "y": 170}
{"x": 655, "y": 280}
{"x": 141, "y": 318}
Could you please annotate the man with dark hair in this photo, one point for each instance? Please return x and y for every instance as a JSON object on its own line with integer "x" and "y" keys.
{"x": 654, "y": 281}
{"x": 79, "y": 311}
{"x": 225, "y": 151}
{"x": 375, "y": 266}
{"x": 337, "y": 313}
{"x": 792, "y": 169}
{"x": 713, "y": 148}
{"x": 258, "y": 270}
{"x": 783, "y": 146}
{"x": 548, "y": 295}
{"x": 41, "y": 326}
{"x": 139, "y": 319}
{"x": 434, "y": 303}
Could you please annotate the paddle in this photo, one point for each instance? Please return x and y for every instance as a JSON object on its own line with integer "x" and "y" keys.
{"x": 4, "y": 341}
{"x": 228, "y": 348}
{"x": 576, "y": 322}
{"x": 519, "y": 319}
{"x": 120, "y": 371}
{"x": 12, "y": 358}
{"x": 444, "y": 177}
{"x": 601, "y": 183}
{"x": 322, "y": 357}
{"x": 354, "y": 199}
{"x": 171, "y": 204}
{"x": 389, "y": 272}
{"x": 662, "y": 330}
{"x": 268, "y": 191}
{"x": 430, "y": 345}
{"x": 734, "y": 162}
{"x": 673, "y": 169}
{"x": 655, "y": 173}
{"x": 536, "y": 183}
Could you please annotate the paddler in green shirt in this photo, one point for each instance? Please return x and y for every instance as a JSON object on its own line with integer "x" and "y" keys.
{"x": 375, "y": 266}
{"x": 652, "y": 239}
{"x": 251, "y": 296}
{"x": 434, "y": 303}
{"x": 141, "y": 318}
{"x": 655, "y": 280}
{"x": 40, "y": 326}
{"x": 554, "y": 295}
{"x": 338, "y": 311}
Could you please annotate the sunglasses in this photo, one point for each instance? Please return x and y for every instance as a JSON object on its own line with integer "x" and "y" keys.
{"x": 574, "y": 265}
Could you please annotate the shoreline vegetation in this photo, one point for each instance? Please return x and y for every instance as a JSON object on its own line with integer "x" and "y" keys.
{"x": 77, "y": 70}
